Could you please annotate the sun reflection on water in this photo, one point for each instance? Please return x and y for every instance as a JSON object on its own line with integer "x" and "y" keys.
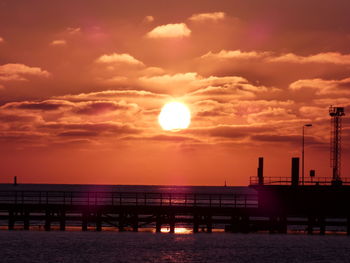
{"x": 178, "y": 230}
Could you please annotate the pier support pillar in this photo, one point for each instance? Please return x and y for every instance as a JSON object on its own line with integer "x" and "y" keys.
{"x": 84, "y": 223}
{"x": 172, "y": 223}
{"x": 158, "y": 223}
{"x": 121, "y": 222}
{"x": 195, "y": 223}
{"x": 282, "y": 225}
{"x": 245, "y": 224}
{"x": 135, "y": 225}
{"x": 321, "y": 222}
{"x": 235, "y": 224}
{"x": 310, "y": 225}
{"x": 11, "y": 223}
{"x": 209, "y": 224}
{"x": 47, "y": 226}
{"x": 172, "y": 227}
{"x": 98, "y": 221}
{"x": 63, "y": 221}
{"x": 26, "y": 220}
{"x": 272, "y": 224}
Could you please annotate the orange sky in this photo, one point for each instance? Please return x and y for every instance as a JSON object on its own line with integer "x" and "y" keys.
{"x": 82, "y": 83}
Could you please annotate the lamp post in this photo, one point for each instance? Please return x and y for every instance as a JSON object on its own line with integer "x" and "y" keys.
{"x": 303, "y": 152}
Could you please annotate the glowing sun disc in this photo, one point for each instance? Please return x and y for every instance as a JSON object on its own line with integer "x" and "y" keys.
{"x": 174, "y": 116}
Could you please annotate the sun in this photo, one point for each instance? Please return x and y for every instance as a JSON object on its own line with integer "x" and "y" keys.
{"x": 174, "y": 116}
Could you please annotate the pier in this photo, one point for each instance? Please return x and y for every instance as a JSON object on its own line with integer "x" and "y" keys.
{"x": 125, "y": 210}
{"x": 317, "y": 205}
{"x": 273, "y": 209}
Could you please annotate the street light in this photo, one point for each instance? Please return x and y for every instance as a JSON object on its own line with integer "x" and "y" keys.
{"x": 303, "y": 151}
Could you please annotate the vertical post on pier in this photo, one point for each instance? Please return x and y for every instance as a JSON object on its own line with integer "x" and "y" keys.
{"x": 172, "y": 223}
{"x": 245, "y": 228}
{"x": 47, "y": 226}
{"x": 135, "y": 227}
{"x": 261, "y": 171}
{"x": 282, "y": 225}
{"x": 209, "y": 224}
{"x": 84, "y": 223}
{"x": 234, "y": 224}
{"x": 158, "y": 223}
{"x": 321, "y": 222}
{"x": 295, "y": 171}
{"x": 195, "y": 223}
{"x": 98, "y": 221}
{"x": 310, "y": 225}
{"x": 26, "y": 220}
{"x": 11, "y": 223}
{"x": 121, "y": 222}
{"x": 63, "y": 220}
{"x": 272, "y": 224}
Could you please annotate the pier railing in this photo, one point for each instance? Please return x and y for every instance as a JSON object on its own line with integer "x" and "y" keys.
{"x": 288, "y": 181}
{"x": 128, "y": 199}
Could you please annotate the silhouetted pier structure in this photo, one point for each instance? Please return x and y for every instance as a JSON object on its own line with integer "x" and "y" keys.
{"x": 123, "y": 210}
{"x": 278, "y": 204}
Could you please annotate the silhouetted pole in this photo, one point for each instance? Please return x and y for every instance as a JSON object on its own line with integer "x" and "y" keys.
{"x": 303, "y": 153}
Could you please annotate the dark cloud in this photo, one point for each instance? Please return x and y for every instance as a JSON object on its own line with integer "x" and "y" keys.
{"x": 96, "y": 127}
{"x": 78, "y": 134}
{"x": 4, "y": 117}
{"x": 292, "y": 139}
{"x": 164, "y": 138}
{"x": 42, "y": 105}
{"x": 96, "y": 108}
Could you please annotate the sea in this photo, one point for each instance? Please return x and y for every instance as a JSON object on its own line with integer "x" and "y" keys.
{"x": 148, "y": 246}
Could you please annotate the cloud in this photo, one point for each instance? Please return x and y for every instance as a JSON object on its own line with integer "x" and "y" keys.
{"x": 102, "y": 107}
{"x": 231, "y": 91}
{"x": 211, "y": 108}
{"x": 325, "y": 102}
{"x": 176, "y": 83}
{"x": 192, "y": 84}
{"x": 163, "y": 137}
{"x": 21, "y": 138}
{"x": 323, "y": 87}
{"x": 2, "y": 40}
{"x": 47, "y": 105}
{"x": 90, "y": 129}
{"x": 215, "y": 16}
{"x": 73, "y": 30}
{"x": 233, "y": 87}
{"x": 268, "y": 56}
{"x": 58, "y": 42}
{"x": 112, "y": 95}
{"x": 235, "y": 54}
{"x": 170, "y": 31}
{"x": 273, "y": 68}
{"x": 11, "y": 117}
{"x": 145, "y": 99}
{"x": 20, "y": 72}
{"x": 271, "y": 114}
{"x": 327, "y": 58}
{"x": 229, "y": 131}
{"x": 148, "y": 19}
{"x": 119, "y": 59}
